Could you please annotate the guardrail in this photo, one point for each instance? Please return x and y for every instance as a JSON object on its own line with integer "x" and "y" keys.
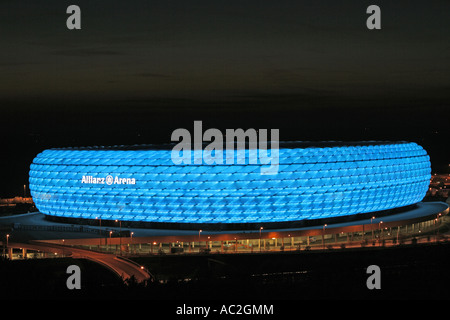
{"x": 81, "y": 228}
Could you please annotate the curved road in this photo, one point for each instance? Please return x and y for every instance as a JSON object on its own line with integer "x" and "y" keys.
{"x": 123, "y": 267}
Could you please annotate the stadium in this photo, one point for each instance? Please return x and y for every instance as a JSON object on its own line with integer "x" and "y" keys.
{"x": 315, "y": 181}
{"x": 337, "y": 185}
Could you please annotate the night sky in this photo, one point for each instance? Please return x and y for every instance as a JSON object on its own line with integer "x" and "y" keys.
{"x": 137, "y": 70}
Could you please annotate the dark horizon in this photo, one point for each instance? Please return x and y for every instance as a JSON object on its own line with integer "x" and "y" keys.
{"x": 136, "y": 72}
{"x": 25, "y": 137}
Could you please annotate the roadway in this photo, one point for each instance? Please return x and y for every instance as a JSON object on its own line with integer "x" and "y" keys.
{"x": 122, "y": 267}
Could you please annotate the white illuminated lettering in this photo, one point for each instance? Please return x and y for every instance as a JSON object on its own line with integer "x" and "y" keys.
{"x": 109, "y": 180}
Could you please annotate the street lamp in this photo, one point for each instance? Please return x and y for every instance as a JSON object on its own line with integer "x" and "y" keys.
{"x": 437, "y": 223}
{"x": 7, "y": 237}
{"x": 100, "y": 230}
{"x": 131, "y": 241}
{"x": 120, "y": 235}
{"x": 323, "y": 236}
{"x": 371, "y": 225}
{"x": 435, "y": 228}
{"x": 381, "y": 231}
{"x": 260, "y": 228}
{"x": 199, "y": 231}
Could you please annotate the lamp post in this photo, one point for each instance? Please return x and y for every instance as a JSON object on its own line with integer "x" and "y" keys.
{"x": 323, "y": 236}
{"x": 199, "y": 231}
{"x": 120, "y": 236}
{"x": 131, "y": 241}
{"x": 371, "y": 219}
{"x": 381, "y": 231}
{"x": 437, "y": 225}
{"x": 7, "y": 238}
{"x": 260, "y": 228}
{"x": 100, "y": 230}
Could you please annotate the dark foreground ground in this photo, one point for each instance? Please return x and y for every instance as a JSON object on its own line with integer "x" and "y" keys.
{"x": 409, "y": 272}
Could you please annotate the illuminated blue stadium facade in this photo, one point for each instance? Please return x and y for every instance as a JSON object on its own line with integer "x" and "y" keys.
{"x": 314, "y": 181}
